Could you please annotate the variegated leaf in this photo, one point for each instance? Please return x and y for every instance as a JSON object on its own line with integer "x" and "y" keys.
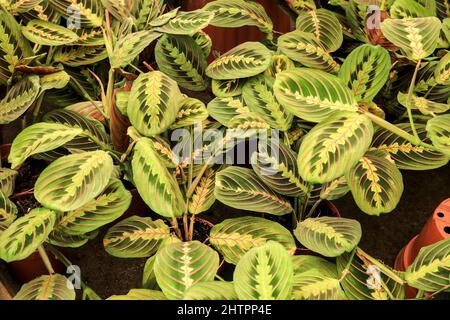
{"x": 192, "y": 111}
{"x": 26, "y": 234}
{"x": 88, "y": 109}
{"x": 278, "y": 64}
{"x": 212, "y": 290}
{"x": 154, "y": 103}
{"x": 14, "y": 47}
{"x": 204, "y": 41}
{"x": 260, "y": 99}
{"x": 225, "y": 109}
{"x": 324, "y": 25}
{"x": 425, "y": 106}
{"x": 442, "y": 70}
{"x": 165, "y": 152}
{"x": 235, "y": 237}
{"x": 130, "y": 46}
{"x": 376, "y": 183}
{"x": 135, "y": 237}
{"x": 90, "y": 12}
{"x": 48, "y": 287}
{"x": 406, "y": 155}
{"x": 7, "y": 181}
{"x": 140, "y": 294}
{"x": 104, "y": 209}
{"x": 356, "y": 15}
{"x": 238, "y": 13}
{"x": 438, "y": 130}
{"x": 164, "y": 18}
{"x": 305, "y": 263}
{"x": 157, "y": 187}
{"x": 276, "y": 165}
{"x": 355, "y": 280}
{"x": 76, "y": 56}
{"x": 402, "y": 9}
{"x": 365, "y": 71}
{"x": 334, "y": 146}
{"x": 303, "y": 47}
{"x": 335, "y": 189}
{"x": 246, "y": 125}
{"x": 430, "y": 270}
{"x": 74, "y": 180}
{"x": 19, "y": 98}
{"x": 38, "y": 138}
{"x": 313, "y": 95}
{"x": 57, "y": 80}
{"x": 246, "y": 60}
{"x": 180, "y": 266}
{"x": 417, "y": 37}
{"x": 120, "y": 9}
{"x": 182, "y": 59}
{"x": 312, "y": 285}
{"x": 48, "y": 34}
{"x": 8, "y": 210}
{"x": 187, "y": 22}
{"x": 329, "y": 236}
{"x": 227, "y": 88}
{"x": 146, "y": 11}
{"x": 264, "y": 273}
{"x": 241, "y": 188}
{"x": 63, "y": 240}
{"x": 203, "y": 197}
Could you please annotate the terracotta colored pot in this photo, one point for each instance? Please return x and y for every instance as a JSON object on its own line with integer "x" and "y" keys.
{"x": 4, "y": 152}
{"x": 225, "y": 39}
{"x": 436, "y": 229}
{"x": 24, "y": 271}
{"x": 137, "y": 207}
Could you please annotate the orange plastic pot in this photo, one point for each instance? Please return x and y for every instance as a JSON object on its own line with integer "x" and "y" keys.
{"x": 436, "y": 229}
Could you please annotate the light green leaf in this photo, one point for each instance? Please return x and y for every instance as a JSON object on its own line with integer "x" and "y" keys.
{"x": 8, "y": 210}
{"x": 48, "y": 34}
{"x": 438, "y": 129}
{"x": 140, "y": 294}
{"x": 212, "y": 290}
{"x": 49, "y": 287}
{"x": 7, "y": 181}
{"x": 187, "y": 22}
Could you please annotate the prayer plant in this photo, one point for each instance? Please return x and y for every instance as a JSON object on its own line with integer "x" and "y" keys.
{"x": 106, "y": 93}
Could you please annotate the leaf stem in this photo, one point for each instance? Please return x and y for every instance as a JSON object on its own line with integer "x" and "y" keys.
{"x": 387, "y": 271}
{"x": 46, "y": 259}
{"x": 174, "y": 222}
{"x": 408, "y": 102}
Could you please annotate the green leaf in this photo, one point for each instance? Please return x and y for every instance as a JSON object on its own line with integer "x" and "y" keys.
{"x": 335, "y": 189}
{"x": 90, "y": 11}
{"x": 204, "y": 41}
{"x": 313, "y": 95}
{"x": 365, "y": 71}
{"x": 76, "y": 56}
{"x": 203, "y": 197}
{"x": 182, "y": 59}
{"x": 324, "y": 25}
{"x": 192, "y": 111}
{"x": 264, "y": 273}
{"x": 38, "y": 138}
{"x": 212, "y": 290}
{"x": 187, "y": 22}
{"x": 401, "y": 9}
{"x": 8, "y": 210}
{"x": 225, "y": 109}
{"x": 14, "y": 47}
{"x": 278, "y": 64}
{"x": 406, "y": 155}
{"x": 260, "y": 99}
{"x": 442, "y": 70}
{"x": 430, "y": 271}
{"x": 358, "y": 276}
{"x": 135, "y": 237}
{"x": 276, "y": 165}
{"x": 157, "y": 187}
{"x": 233, "y": 238}
{"x": 329, "y": 236}
{"x": 154, "y": 102}
{"x": 57, "y": 80}
{"x": 304, "y": 263}
{"x": 48, "y": 34}
{"x": 140, "y": 294}
{"x": 120, "y": 9}
{"x": 18, "y": 99}
{"x": 63, "y": 240}
{"x": 49, "y": 287}
{"x": 74, "y": 180}
{"x": 26, "y": 234}
{"x": 7, "y": 181}
{"x": 304, "y": 47}
{"x": 227, "y": 88}
{"x": 180, "y": 266}
{"x": 425, "y": 106}
{"x": 88, "y": 109}
{"x": 334, "y": 146}
{"x": 246, "y": 60}
{"x": 147, "y": 10}
{"x": 104, "y": 209}
{"x": 241, "y": 188}
{"x": 376, "y": 183}
{"x": 246, "y": 125}
{"x": 438, "y": 129}
{"x": 417, "y": 37}
{"x": 130, "y": 46}
{"x": 312, "y": 285}
{"x": 238, "y": 13}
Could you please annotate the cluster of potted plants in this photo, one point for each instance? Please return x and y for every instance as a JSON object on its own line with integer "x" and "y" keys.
{"x": 106, "y": 91}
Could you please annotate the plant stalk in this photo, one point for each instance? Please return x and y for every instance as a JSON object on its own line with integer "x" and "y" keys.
{"x": 175, "y": 227}
{"x": 46, "y": 259}
{"x": 408, "y": 102}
